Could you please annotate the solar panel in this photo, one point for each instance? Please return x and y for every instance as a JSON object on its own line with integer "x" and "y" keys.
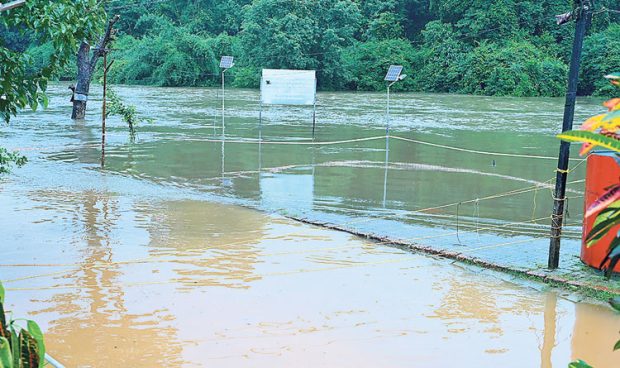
{"x": 393, "y": 73}
{"x": 226, "y": 62}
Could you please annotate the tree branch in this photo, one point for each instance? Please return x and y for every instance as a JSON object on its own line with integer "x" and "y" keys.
{"x": 105, "y": 39}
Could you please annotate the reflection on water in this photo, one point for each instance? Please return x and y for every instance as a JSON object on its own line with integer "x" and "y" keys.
{"x": 149, "y": 283}
{"x": 132, "y": 266}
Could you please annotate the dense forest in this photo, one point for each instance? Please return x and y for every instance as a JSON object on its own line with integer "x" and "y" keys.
{"x": 490, "y": 47}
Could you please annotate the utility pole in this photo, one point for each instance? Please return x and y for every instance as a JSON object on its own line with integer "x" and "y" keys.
{"x": 106, "y": 67}
{"x": 583, "y": 13}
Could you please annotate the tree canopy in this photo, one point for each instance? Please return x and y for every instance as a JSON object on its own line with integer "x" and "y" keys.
{"x": 491, "y": 47}
{"x": 51, "y": 32}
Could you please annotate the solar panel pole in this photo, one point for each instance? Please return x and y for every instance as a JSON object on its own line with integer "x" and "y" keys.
{"x": 223, "y": 103}
{"x": 387, "y": 144}
{"x": 226, "y": 62}
{"x": 393, "y": 76}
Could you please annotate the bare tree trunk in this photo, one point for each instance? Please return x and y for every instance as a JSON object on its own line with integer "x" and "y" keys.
{"x": 86, "y": 65}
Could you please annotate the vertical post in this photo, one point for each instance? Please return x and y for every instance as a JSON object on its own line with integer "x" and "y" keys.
{"x": 313, "y": 119}
{"x": 260, "y": 138}
{"x": 557, "y": 218}
{"x": 223, "y": 102}
{"x": 387, "y": 145}
{"x": 314, "y": 110}
{"x": 103, "y": 107}
{"x": 223, "y": 128}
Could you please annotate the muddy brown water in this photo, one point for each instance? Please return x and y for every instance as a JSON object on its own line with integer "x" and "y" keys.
{"x": 152, "y": 262}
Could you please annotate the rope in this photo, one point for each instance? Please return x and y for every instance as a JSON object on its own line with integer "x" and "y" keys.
{"x": 489, "y": 153}
{"x": 326, "y": 143}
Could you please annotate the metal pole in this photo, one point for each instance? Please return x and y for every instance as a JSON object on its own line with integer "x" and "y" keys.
{"x": 567, "y": 124}
{"x": 314, "y": 111}
{"x": 223, "y": 127}
{"x": 387, "y": 145}
{"x": 313, "y": 119}
{"x": 223, "y": 103}
{"x": 260, "y": 139}
{"x": 105, "y": 80}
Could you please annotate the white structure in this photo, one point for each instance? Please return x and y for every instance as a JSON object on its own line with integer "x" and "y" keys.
{"x": 289, "y": 87}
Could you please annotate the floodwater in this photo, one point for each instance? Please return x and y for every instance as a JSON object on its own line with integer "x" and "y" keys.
{"x": 153, "y": 261}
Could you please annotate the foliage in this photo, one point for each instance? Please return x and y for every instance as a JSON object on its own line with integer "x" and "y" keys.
{"x": 63, "y": 23}
{"x": 579, "y": 364}
{"x": 116, "y": 106}
{"x": 517, "y": 68}
{"x": 600, "y": 57}
{"x": 490, "y": 47}
{"x": 19, "y": 347}
{"x": 366, "y": 63}
{"x": 8, "y": 158}
{"x": 37, "y": 41}
{"x": 603, "y": 130}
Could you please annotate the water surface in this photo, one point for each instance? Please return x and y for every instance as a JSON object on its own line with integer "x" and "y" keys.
{"x": 152, "y": 262}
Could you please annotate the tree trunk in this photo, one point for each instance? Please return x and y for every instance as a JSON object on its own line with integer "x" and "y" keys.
{"x": 86, "y": 65}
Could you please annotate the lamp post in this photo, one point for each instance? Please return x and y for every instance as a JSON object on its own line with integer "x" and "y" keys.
{"x": 393, "y": 75}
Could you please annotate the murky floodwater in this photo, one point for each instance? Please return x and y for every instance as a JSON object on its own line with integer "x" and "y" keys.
{"x": 148, "y": 264}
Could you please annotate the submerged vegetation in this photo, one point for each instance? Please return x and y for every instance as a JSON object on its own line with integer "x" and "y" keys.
{"x": 489, "y": 47}
{"x": 127, "y": 112}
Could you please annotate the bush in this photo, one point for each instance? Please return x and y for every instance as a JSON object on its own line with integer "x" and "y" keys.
{"x": 365, "y": 64}
{"x": 516, "y": 69}
{"x": 600, "y": 57}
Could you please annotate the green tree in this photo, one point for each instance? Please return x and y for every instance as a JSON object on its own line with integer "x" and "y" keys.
{"x": 516, "y": 69}
{"x": 61, "y": 23}
{"x": 366, "y": 63}
{"x": 305, "y": 34}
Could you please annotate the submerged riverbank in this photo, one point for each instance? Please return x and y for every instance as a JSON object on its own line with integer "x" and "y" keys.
{"x": 153, "y": 261}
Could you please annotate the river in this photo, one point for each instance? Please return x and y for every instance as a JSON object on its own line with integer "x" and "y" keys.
{"x": 178, "y": 252}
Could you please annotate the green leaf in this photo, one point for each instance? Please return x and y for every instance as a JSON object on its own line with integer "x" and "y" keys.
{"x": 615, "y": 303}
{"x": 28, "y": 350}
{"x": 601, "y": 229}
{"x": 37, "y": 334}
{"x": 617, "y": 346}
{"x": 15, "y": 347}
{"x": 2, "y": 292}
{"x": 579, "y": 364}
{"x": 4, "y": 332}
{"x": 613, "y": 76}
{"x": 6, "y": 358}
{"x": 590, "y": 137}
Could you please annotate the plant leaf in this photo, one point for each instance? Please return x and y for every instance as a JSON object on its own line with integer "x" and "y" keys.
{"x": 609, "y": 197}
{"x": 6, "y": 359}
{"x": 579, "y": 364}
{"x": 4, "y": 332}
{"x": 614, "y": 258}
{"x": 612, "y": 104}
{"x": 15, "y": 347}
{"x": 36, "y": 333}
{"x": 617, "y": 346}
{"x": 615, "y": 75}
{"x": 590, "y": 137}
{"x": 29, "y": 352}
{"x": 615, "y": 303}
{"x": 593, "y": 123}
{"x": 601, "y": 229}
{"x": 2, "y": 291}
